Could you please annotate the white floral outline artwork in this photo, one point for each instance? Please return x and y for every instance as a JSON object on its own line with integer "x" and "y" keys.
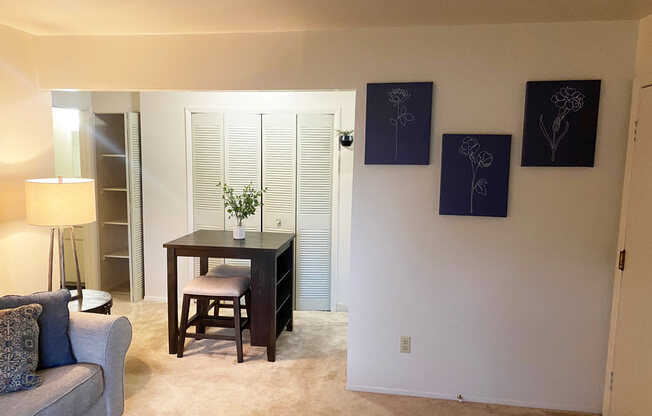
{"x": 567, "y": 99}
{"x": 478, "y": 159}
{"x": 397, "y": 96}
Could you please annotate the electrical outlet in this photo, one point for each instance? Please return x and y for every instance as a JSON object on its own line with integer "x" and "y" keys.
{"x": 405, "y": 344}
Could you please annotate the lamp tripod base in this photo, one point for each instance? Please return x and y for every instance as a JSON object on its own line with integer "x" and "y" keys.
{"x": 62, "y": 262}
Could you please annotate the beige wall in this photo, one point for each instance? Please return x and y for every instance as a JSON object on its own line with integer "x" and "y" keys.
{"x": 644, "y": 52}
{"x": 26, "y": 152}
{"x": 508, "y": 310}
{"x": 115, "y": 102}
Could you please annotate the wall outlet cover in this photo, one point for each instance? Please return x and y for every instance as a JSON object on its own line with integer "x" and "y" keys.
{"x": 405, "y": 344}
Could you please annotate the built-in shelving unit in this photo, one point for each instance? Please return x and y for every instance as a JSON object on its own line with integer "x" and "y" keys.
{"x": 117, "y": 149}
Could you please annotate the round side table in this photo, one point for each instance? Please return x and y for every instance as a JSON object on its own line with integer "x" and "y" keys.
{"x": 93, "y": 301}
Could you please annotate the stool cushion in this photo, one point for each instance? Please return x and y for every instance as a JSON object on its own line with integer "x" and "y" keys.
{"x": 227, "y": 270}
{"x": 217, "y": 286}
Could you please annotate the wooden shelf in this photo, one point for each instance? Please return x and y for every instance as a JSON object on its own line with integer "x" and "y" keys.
{"x": 115, "y": 189}
{"x": 114, "y": 155}
{"x": 286, "y": 274}
{"x": 283, "y": 303}
{"x": 121, "y": 253}
{"x": 116, "y": 222}
{"x": 283, "y": 317}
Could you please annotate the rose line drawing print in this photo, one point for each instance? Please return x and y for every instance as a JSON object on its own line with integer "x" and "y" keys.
{"x": 478, "y": 159}
{"x": 397, "y": 96}
{"x": 567, "y": 99}
{"x": 398, "y": 123}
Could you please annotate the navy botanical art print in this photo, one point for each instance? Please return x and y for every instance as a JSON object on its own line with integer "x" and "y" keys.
{"x": 398, "y": 123}
{"x": 561, "y": 122}
{"x": 474, "y": 174}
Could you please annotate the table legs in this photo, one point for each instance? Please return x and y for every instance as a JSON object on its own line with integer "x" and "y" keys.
{"x": 263, "y": 298}
{"x": 173, "y": 314}
{"x": 263, "y": 303}
{"x": 202, "y": 304}
{"x": 290, "y": 251}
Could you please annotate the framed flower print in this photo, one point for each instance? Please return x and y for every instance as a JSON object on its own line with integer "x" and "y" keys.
{"x": 398, "y": 123}
{"x": 561, "y": 122}
{"x": 474, "y": 174}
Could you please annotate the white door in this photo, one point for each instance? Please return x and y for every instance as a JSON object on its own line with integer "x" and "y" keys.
{"x": 632, "y": 368}
{"x": 279, "y": 172}
{"x": 242, "y": 147}
{"x": 314, "y": 204}
{"x": 135, "y": 206}
{"x": 207, "y": 155}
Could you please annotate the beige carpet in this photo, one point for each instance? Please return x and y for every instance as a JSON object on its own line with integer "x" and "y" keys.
{"x": 308, "y": 377}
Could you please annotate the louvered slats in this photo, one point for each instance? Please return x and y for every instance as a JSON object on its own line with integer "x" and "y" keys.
{"x": 135, "y": 207}
{"x": 207, "y": 169}
{"x": 314, "y": 200}
{"x": 243, "y": 163}
{"x": 314, "y": 263}
{"x": 207, "y": 172}
{"x": 279, "y": 172}
{"x": 292, "y": 156}
{"x": 315, "y": 167}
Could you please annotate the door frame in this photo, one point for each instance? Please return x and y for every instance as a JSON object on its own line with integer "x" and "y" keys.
{"x": 638, "y": 84}
{"x": 89, "y": 170}
{"x": 335, "y": 191}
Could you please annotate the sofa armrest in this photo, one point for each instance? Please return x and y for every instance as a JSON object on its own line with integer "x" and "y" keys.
{"x": 103, "y": 340}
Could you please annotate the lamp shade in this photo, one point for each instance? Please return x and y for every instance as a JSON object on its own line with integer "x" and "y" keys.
{"x": 60, "y": 202}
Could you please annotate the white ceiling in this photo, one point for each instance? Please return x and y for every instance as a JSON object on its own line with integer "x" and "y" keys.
{"x": 121, "y": 17}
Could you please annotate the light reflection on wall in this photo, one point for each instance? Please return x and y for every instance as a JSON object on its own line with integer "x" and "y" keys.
{"x": 67, "y": 160}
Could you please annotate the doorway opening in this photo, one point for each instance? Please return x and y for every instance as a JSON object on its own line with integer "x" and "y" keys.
{"x": 187, "y": 142}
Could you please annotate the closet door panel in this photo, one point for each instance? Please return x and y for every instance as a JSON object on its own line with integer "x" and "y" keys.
{"x": 279, "y": 172}
{"x": 135, "y": 206}
{"x": 314, "y": 204}
{"x": 242, "y": 134}
{"x": 207, "y": 151}
{"x": 207, "y": 170}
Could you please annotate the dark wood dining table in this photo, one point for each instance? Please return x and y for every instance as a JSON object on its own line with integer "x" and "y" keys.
{"x": 272, "y": 279}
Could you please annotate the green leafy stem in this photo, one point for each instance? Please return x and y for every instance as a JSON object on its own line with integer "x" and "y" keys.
{"x": 241, "y": 205}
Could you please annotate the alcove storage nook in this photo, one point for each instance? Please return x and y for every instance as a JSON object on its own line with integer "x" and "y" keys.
{"x": 119, "y": 201}
{"x": 292, "y": 156}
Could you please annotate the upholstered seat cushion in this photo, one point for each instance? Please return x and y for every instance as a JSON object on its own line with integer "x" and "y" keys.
{"x": 67, "y": 390}
{"x": 227, "y": 270}
{"x": 217, "y": 286}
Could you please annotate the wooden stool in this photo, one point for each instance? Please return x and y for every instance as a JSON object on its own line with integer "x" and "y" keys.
{"x": 215, "y": 289}
{"x": 228, "y": 270}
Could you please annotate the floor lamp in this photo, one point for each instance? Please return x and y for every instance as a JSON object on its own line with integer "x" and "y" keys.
{"x": 60, "y": 203}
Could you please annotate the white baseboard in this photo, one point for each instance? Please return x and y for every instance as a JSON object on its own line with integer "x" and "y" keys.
{"x": 474, "y": 399}
{"x": 341, "y": 307}
{"x": 155, "y": 299}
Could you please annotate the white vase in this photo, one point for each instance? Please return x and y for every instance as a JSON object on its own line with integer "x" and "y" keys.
{"x": 239, "y": 232}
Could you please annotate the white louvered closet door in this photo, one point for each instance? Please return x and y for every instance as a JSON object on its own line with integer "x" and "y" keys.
{"x": 207, "y": 131}
{"x": 242, "y": 134}
{"x": 314, "y": 202}
{"x": 135, "y": 221}
{"x": 279, "y": 172}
